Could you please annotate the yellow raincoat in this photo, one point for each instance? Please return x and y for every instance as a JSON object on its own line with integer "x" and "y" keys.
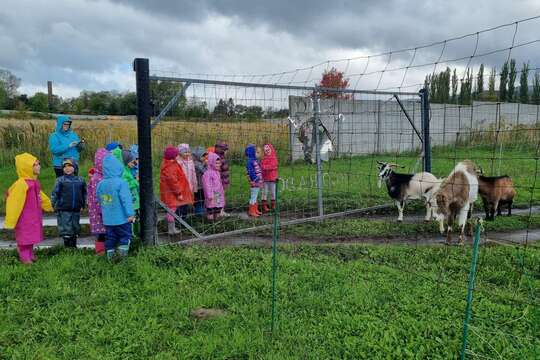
{"x": 16, "y": 199}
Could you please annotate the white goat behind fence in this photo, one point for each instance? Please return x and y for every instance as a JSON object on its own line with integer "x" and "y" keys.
{"x": 455, "y": 198}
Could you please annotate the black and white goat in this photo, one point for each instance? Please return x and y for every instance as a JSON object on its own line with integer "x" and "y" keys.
{"x": 402, "y": 187}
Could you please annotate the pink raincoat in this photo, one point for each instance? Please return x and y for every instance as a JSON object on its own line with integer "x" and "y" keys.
{"x": 94, "y": 209}
{"x": 25, "y": 203}
{"x": 214, "y": 195}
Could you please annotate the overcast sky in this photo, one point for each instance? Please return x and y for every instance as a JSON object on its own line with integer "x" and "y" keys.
{"x": 91, "y": 44}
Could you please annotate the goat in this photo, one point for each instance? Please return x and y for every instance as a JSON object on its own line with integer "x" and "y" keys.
{"x": 402, "y": 187}
{"x": 455, "y": 196}
{"x": 496, "y": 191}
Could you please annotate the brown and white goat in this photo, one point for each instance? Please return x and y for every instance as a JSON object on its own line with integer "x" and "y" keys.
{"x": 402, "y": 187}
{"x": 496, "y": 191}
{"x": 455, "y": 197}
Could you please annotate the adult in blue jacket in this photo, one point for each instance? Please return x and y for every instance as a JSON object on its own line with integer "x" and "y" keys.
{"x": 116, "y": 207}
{"x": 64, "y": 144}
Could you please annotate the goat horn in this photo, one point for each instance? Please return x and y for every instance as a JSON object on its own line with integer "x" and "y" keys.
{"x": 395, "y": 165}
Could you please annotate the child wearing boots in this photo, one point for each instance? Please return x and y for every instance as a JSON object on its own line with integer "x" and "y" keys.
{"x": 24, "y": 205}
{"x": 214, "y": 194}
{"x": 68, "y": 198}
{"x": 116, "y": 206}
{"x": 174, "y": 189}
{"x": 269, "y": 166}
{"x": 221, "y": 149}
{"x": 94, "y": 210}
{"x": 255, "y": 179}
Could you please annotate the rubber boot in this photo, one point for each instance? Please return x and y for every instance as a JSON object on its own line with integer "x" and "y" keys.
{"x": 67, "y": 240}
{"x": 265, "y": 207}
{"x": 172, "y": 229}
{"x": 100, "y": 247}
{"x": 73, "y": 241}
{"x": 253, "y": 210}
{"x": 257, "y": 209}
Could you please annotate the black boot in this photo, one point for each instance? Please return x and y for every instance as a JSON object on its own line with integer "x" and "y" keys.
{"x": 73, "y": 241}
{"x": 67, "y": 240}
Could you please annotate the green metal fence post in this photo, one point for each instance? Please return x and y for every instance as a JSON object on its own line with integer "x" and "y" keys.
{"x": 472, "y": 277}
{"x": 275, "y": 238}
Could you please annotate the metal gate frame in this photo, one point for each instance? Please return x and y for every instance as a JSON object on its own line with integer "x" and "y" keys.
{"x": 145, "y": 126}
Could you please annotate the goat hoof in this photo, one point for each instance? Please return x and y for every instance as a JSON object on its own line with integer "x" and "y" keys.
{"x": 400, "y": 221}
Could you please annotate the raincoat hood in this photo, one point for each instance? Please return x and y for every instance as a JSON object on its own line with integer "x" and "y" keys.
{"x": 272, "y": 151}
{"x": 60, "y": 120}
{"x": 134, "y": 149}
{"x": 198, "y": 153}
{"x": 112, "y": 167}
{"x": 251, "y": 152}
{"x": 24, "y": 163}
{"x": 98, "y": 159}
{"x": 113, "y": 145}
{"x": 212, "y": 158}
{"x": 221, "y": 147}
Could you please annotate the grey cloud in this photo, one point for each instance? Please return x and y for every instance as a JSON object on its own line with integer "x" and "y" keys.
{"x": 77, "y": 42}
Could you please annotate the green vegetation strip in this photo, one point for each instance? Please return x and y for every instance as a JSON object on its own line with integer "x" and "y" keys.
{"x": 335, "y": 302}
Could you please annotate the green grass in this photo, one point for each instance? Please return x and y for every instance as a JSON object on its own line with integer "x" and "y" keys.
{"x": 333, "y": 302}
{"x": 350, "y": 183}
{"x": 358, "y": 228}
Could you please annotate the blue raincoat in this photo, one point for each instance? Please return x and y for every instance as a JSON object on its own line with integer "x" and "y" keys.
{"x": 60, "y": 140}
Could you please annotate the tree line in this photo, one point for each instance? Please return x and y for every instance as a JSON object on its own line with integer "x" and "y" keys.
{"x": 125, "y": 103}
{"x": 446, "y": 87}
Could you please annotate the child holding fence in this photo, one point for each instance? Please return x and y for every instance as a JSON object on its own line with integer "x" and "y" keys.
{"x": 68, "y": 198}
{"x": 254, "y": 174}
{"x": 174, "y": 189}
{"x": 116, "y": 206}
{"x": 214, "y": 194}
{"x": 24, "y": 205}
{"x": 269, "y": 166}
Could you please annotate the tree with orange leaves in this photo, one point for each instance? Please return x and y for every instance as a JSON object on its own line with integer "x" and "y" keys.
{"x": 333, "y": 79}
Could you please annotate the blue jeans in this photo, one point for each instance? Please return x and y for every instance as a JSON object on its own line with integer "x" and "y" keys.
{"x": 118, "y": 236}
{"x": 254, "y": 193}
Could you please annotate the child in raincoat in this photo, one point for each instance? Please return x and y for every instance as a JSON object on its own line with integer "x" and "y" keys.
{"x": 188, "y": 166}
{"x": 269, "y": 167}
{"x": 126, "y": 158}
{"x": 64, "y": 144}
{"x": 134, "y": 150}
{"x": 254, "y": 174}
{"x": 116, "y": 206}
{"x": 68, "y": 198}
{"x": 174, "y": 189}
{"x": 24, "y": 204}
{"x": 199, "y": 159}
{"x": 94, "y": 209}
{"x": 214, "y": 194}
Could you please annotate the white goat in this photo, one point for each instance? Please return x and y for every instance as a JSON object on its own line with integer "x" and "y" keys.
{"x": 455, "y": 198}
{"x": 402, "y": 187}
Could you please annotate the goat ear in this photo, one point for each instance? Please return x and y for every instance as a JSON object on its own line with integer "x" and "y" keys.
{"x": 380, "y": 162}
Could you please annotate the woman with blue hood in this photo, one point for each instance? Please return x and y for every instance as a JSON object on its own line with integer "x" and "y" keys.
{"x": 64, "y": 144}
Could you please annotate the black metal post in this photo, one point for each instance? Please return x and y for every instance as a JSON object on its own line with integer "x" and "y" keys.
{"x": 144, "y": 137}
{"x": 426, "y": 143}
